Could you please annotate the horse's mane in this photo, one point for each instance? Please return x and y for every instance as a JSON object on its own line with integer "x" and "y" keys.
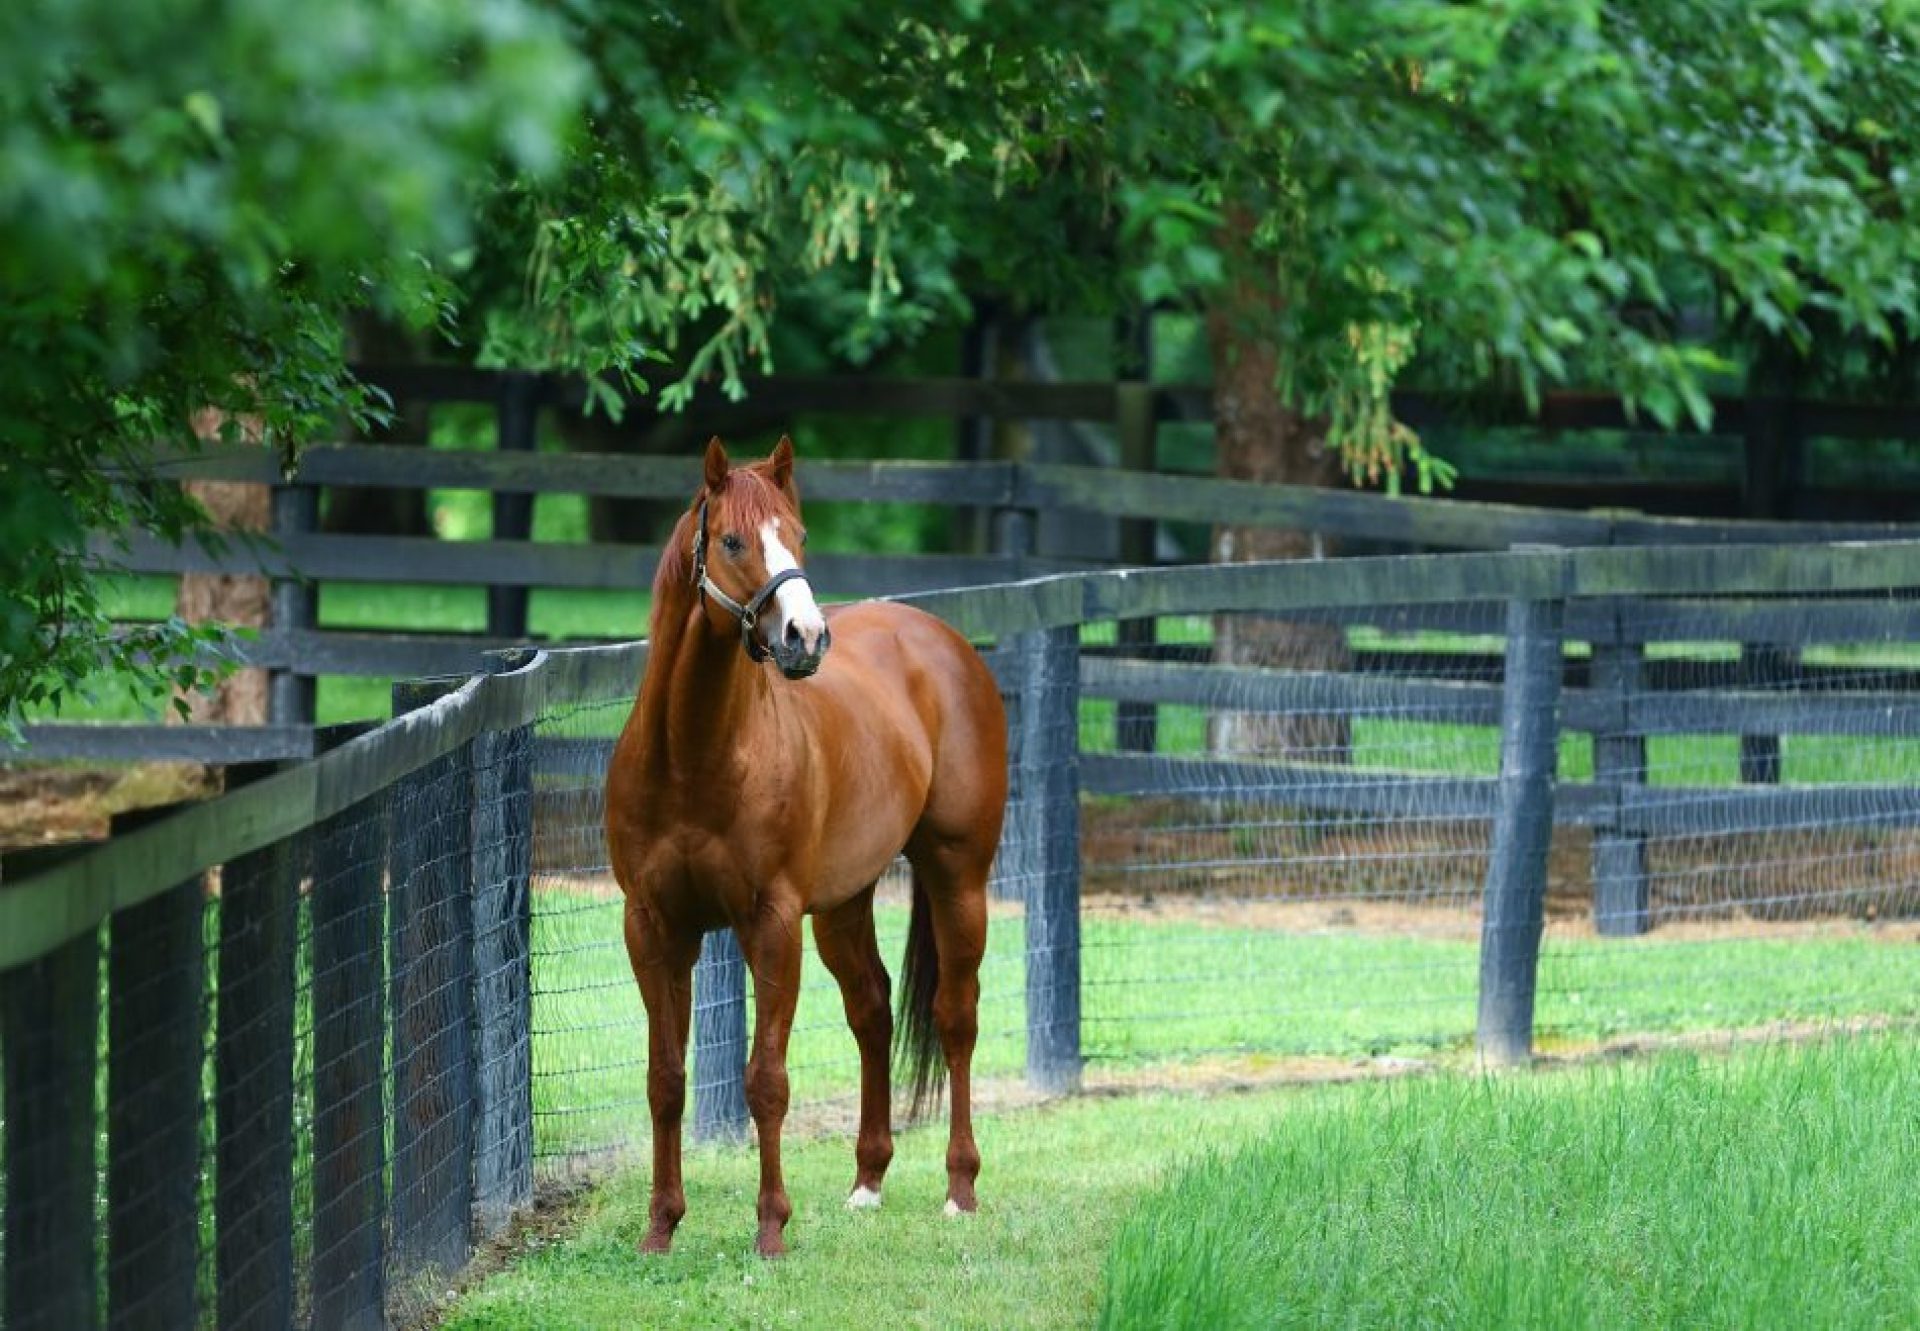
{"x": 750, "y": 499}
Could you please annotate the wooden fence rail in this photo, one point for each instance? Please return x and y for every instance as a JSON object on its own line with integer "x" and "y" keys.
{"x": 297, "y": 557}
{"x": 413, "y": 842}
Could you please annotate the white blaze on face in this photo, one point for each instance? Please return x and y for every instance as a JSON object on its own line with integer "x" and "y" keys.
{"x": 793, "y": 601}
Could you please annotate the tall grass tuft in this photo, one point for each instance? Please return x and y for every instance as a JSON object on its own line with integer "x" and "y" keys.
{"x": 1775, "y": 1189}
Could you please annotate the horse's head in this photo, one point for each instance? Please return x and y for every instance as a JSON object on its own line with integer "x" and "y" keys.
{"x": 747, "y": 546}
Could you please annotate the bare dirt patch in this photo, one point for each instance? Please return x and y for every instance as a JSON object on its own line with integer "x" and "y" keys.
{"x": 1154, "y": 850}
{"x": 44, "y": 804}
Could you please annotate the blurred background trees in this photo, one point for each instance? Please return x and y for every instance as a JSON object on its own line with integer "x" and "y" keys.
{"x": 199, "y": 199}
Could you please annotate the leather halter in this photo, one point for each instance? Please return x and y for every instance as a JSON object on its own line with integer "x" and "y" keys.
{"x": 748, "y": 614}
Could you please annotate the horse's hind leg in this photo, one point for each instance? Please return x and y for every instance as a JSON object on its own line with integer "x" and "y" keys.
{"x": 845, "y": 938}
{"x": 954, "y": 878}
{"x": 662, "y": 962}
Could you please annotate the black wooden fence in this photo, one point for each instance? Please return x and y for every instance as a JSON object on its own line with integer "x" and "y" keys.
{"x": 319, "y": 1080}
{"x": 1024, "y": 497}
{"x": 1014, "y": 502}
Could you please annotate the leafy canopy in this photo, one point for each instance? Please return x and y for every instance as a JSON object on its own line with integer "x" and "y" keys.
{"x": 193, "y": 193}
{"x": 1530, "y": 191}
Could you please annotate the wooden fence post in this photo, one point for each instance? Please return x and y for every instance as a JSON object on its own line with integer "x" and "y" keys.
{"x": 430, "y": 941}
{"x": 253, "y": 1078}
{"x": 1014, "y": 532}
{"x": 156, "y": 990}
{"x": 1136, "y": 724}
{"x": 502, "y": 975}
{"x": 1774, "y": 456}
{"x": 1763, "y": 666}
{"x": 973, "y": 435}
{"x": 1621, "y": 899}
{"x": 290, "y": 695}
{"x": 1048, "y": 825}
{"x": 720, "y": 1039}
{"x": 516, "y": 422}
{"x": 1523, "y": 828}
{"x": 347, "y": 933}
{"x": 49, "y": 1040}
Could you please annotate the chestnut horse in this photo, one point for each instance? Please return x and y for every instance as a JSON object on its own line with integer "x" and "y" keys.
{"x": 758, "y": 780}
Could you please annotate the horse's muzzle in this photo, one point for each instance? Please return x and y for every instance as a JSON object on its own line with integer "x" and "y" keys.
{"x": 795, "y": 659}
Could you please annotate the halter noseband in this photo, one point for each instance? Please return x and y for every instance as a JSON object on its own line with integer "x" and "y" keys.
{"x": 748, "y": 614}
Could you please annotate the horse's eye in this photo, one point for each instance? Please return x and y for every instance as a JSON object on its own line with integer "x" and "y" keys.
{"x": 803, "y": 540}
{"x": 731, "y": 544}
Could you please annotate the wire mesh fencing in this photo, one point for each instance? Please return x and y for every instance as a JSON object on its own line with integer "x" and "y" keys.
{"x": 1756, "y": 863}
{"x": 1287, "y": 833}
{"x": 1288, "y": 845}
{"x": 282, "y": 1090}
{"x": 1412, "y": 807}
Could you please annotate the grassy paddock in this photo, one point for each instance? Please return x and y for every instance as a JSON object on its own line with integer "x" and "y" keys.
{"x": 1765, "y": 1190}
{"x": 1159, "y": 988}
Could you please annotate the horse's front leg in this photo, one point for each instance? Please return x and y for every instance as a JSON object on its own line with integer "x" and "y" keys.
{"x": 771, "y": 946}
{"x": 662, "y": 962}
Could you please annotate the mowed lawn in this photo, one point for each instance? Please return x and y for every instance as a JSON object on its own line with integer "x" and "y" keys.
{"x": 1766, "y": 1188}
{"x": 1160, "y": 990}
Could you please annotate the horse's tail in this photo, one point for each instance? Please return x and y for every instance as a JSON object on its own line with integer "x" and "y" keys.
{"x": 915, "y": 1040}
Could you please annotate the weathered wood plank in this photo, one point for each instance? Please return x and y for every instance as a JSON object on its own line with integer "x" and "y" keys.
{"x": 411, "y": 559}
{"x": 1872, "y": 715}
{"x": 1786, "y": 621}
{"x": 259, "y": 919}
{"x": 348, "y": 963}
{"x": 221, "y": 745}
{"x": 430, "y": 997}
{"x": 1330, "y": 788}
{"x": 1246, "y": 689}
{"x": 1733, "y": 810}
{"x": 611, "y": 475}
{"x": 49, "y": 1038}
{"x": 1347, "y": 513}
{"x": 503, "y": 831}
{"x": 156, "y": 987}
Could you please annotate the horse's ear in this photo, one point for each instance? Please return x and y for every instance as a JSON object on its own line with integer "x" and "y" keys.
{"x": 716, "y": 464}
{"x": 781, "y": 463}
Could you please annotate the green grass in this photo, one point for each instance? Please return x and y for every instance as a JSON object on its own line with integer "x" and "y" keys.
{"x": 1160, "y": 989}
{"x": 1055, "y": 1184}
{"x": 1769, "y": 1190}
{"x": 1764, "y": 1190}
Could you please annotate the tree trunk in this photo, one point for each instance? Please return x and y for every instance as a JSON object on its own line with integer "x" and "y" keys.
{"x": 1259, "y": 438}
{"x": 244, "y": 600}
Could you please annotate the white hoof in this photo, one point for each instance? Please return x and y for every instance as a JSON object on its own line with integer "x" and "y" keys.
{"x": 953, "y": 1209}
{"x": 863, "y": 1199}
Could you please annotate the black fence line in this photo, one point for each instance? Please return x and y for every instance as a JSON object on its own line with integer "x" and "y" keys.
{"x": 254, "y": 997}
{"x": 99, "y": 882}
{"x": 433, "y": 803}
{"x": 156, "y": 1023}
{"x": 1022, "y": 496}
{"x": 1035, "y": 488}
